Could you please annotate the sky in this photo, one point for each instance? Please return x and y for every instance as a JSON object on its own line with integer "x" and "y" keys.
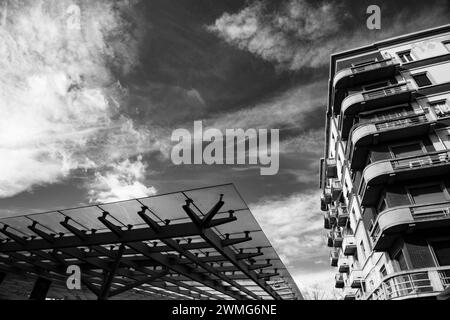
{"x": 91, "y": 91}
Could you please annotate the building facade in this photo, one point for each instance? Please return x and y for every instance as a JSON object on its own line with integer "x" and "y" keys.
{"x": 385, "y": 174}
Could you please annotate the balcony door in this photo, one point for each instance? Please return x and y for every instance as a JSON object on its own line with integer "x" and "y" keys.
{"x": 408, "y": 150}
{"x": 427, "y": 194}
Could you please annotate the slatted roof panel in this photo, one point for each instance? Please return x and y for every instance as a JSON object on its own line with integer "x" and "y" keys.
{"x": 188, "y": 255}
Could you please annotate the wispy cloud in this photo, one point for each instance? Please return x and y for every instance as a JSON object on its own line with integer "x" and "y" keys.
{"x": 300, "y": 33}
{"x": 59, "y": 96}
{"x": 122, "y": 181}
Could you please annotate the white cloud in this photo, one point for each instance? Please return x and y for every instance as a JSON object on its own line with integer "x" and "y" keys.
{"x": 122, "y": 181}
{"x": 59, "y": 98}
{"x": 294, "y": 226}
{"x": 303, "y": 34}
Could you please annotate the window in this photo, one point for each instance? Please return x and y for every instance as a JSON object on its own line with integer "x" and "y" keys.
{"x": 376, "y": 85}
{"x": 383, "y": 271}
{"x": 363, "y": 250}
{"x": 382, "y": 206}
{"x": 441, "y": 108}
{"x": 442, "y": 252}
{"x": 401, "y": 261}
{"x": 446, "y": 45}
{"x": 405, "y": 56}
{"x": 363, "y": 63}
{"x": 422, "y": 80}
{"x": 427, "y": 194}
{"x": 407, "y": 150}
{"x": 388, "y": 114}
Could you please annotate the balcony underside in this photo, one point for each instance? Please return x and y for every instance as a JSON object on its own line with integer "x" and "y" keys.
{"x": 396, "y": 222}
{"x": 351, "y": 77}
{"x": 380, "y": 173}
{"x": 367, "y": 135}
{"x": 355, "y": 104}
{"x": 347, "y": 78}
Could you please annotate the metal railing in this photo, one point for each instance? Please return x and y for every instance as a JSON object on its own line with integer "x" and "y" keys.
{"x": 386, "y": 91}
{"x": 422, "y": 282}
{"x": 373, "y": 65}
{"x": 425, "y": 160}
{"x": 419, "y": 212}
{"x": 401, "y": 122}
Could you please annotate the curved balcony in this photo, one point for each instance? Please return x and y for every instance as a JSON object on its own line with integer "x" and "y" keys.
{"x": 372, "y": 133}
{"x": 419, "y": 283}
{"x": 378, "y": 173}
{"x": 393, "y": 222}
{"x": 370, "y": 100}
{"x": 364, "y": 73}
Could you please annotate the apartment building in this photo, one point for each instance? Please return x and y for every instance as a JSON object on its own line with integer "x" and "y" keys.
{"x": 385, "y": 174}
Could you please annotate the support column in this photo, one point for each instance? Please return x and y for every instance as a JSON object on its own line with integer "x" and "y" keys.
{"x": 40, "y": 289}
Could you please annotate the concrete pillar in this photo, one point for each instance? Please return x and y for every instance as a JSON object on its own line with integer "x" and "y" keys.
{"x": 40, "y": 289}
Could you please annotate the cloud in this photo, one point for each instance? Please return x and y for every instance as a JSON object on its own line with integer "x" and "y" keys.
{"x": 298, "y": 33}
{"x": 59, "y": 94}
{"x": 294, "y": 226}
{"x": 284, "y": 109}
{"x": 121, "y": 181}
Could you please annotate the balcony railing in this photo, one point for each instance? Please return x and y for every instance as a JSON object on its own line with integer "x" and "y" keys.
{"x": 411, "y": 167}
{"x": 406, "y": 125}
{"x": 386, "y": 91}
{"x": 372, "y": 65}
{"x": 392, "y": 218}
{"x": 429, "y": 159}
{"x": 352, "y": 72}
{"x": 370, "y": 100}
{"x": 409, "y": 284}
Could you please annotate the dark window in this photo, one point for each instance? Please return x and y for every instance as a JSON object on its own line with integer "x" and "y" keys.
{"x": 376, "y": 85}
{"x": 412, "y": 149}
{"x": 427, "y": 194}
{"x": 400, "y": 258}
{"x": 405, "y": 56}
{"x": 442, "y": 252}
{"x": 383, "y": 271}
{"x": 447, "y": 45}
{"x": 419, "y": 253}
{"x": 422, "y": 80}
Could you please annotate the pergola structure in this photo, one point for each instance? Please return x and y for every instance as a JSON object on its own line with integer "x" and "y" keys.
{"x": 194, "y": 244}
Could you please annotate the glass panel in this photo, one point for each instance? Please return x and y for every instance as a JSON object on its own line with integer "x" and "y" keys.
{"x": 408, "y": 150}
{"x": 422, "y": 80}
{"x": 427, "y": 194}
{"x": 442, "y": 252}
